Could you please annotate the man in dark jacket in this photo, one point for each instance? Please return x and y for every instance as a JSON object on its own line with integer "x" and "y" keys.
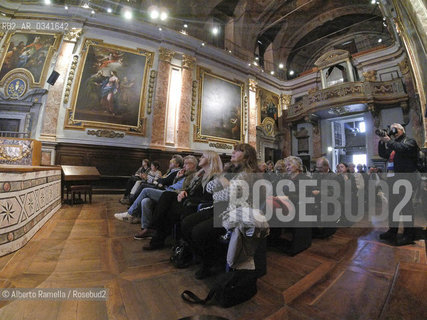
{"x": 404, "y": 152}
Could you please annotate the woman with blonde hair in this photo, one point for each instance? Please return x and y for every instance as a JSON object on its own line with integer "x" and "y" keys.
{"x": 171, "y": 208}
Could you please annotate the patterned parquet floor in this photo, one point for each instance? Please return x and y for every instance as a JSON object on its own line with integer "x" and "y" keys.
{"x": 349, "y": 276}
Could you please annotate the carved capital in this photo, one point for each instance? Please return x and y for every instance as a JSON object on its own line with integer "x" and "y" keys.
{"x": 166, "y": 54}
{"x": 73, "y": 35}
{"x": 188, "y": 62}
{"x": 370, "y": 75}
{"x": 252, "y": 84}
{"x": 285, "y": 101}
{"x": 404, "y": 66}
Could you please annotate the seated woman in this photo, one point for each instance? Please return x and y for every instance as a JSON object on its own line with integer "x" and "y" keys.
{"x": 301, "y": 236}
{"x": 171, "y": 207}
{"x": 142, "y": 171}
{"x": 198, "y": 228}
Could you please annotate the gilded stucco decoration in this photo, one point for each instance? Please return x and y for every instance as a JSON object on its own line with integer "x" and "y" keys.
{"x": 370, "y": 75}
{"x": 151, "y": 84}
{"x": 404, "y": 66}
{"x": 193, "y": 99}
{"x": 73, "y": 35}
{"x": 105, "y": 133}
{"x": 70, "y": 78}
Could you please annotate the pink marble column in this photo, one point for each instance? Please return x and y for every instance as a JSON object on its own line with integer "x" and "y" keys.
{"x": 253, "y": 113}
{"x": 54, "y": 97}
{"x": 184, "y": 116}
{"x": 159, "y": 110}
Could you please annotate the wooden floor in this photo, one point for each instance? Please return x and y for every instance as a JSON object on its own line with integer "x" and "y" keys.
{"x": 350, "y": 276}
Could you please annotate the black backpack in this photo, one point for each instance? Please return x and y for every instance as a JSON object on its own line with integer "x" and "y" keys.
{"x": 231, "y": 288}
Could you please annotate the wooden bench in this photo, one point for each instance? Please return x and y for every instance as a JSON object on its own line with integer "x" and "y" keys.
{"x": 82, "y": 188}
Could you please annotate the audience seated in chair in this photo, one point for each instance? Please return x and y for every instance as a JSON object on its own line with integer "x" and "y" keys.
{"x": 139, "y": 174}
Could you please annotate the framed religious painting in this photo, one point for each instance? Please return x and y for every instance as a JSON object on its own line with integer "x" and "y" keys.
{"x": 110, "y": 88}
{"x": 268, "y": 104}
{"x": 220, "y": 109}
{"x": 29, "y": 53}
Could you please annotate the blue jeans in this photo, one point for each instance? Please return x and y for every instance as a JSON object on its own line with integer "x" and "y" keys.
{"x": 144, "y": 204}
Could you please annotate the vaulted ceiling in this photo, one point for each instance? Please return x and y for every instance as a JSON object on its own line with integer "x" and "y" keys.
{"x": 292, "y": 32}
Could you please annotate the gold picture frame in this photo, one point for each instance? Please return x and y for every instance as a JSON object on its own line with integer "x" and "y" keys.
{"x": 111, "y": 86}
{"x": 220, "y": 109}
{"x": 29, "y": 53}
{"x": 268, "y": 105}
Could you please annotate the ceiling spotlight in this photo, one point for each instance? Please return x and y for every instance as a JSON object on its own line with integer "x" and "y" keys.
{"x": 373, "y": 1}
{"x": 85, "y": 5}
{"x": 128, "y": 14}
{"x": 203, "y": 44}
{"x": 185, "y": 25}
{"x": 262, "y": 70}
{"x": 160, "y": 29}
{"x": 384, "y": 24}
{"x": 183, "y": 32}
{"x": 249, "y": 64}
{"x": 66, "y": 7}
{"x": 109, "y": 10}
{"x": 384, "y": 18}
{"x": 272, "y": 72}
{"x": 380, "y": 40}
{"x": 163, "y": 15}
{"x": 291, "y": 73}
{"x": 215, "y": 31}
{"x": 255, "y": 63}
{"x": 47, "y": 2}
{"x": 92, "y": 12}
{"x": 281, "y": 66}
{"x": 330, "y": 149}
{"x": 154, "y": 13}
{"x": 256, "y": 58}
{"x": 229, "y": 51}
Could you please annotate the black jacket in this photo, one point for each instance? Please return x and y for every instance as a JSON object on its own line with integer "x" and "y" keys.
{"x": 406, "y": 153}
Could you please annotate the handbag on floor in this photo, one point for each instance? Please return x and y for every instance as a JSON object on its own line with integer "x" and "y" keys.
{"x": 182, "y": 255}
{"x": 231, "y": 288}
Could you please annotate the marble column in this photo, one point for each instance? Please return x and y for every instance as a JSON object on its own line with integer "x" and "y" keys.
{"x": 253, "y": 113}
{"x": 159, "y": 112}
{"x": 184, "y": 116}
{"x": 54, "y": 97}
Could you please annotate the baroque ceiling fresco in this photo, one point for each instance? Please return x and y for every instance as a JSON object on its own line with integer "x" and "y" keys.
{"x": 290, "y": 32}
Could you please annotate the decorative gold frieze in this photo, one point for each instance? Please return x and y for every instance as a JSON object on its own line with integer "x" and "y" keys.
{"x": 193, "y": 100}
{"x": 246, "y": 114}
{"x": 166, "y": 54}
{"x": 370, "y": 75}
{"x": 70, "y": 78}
{"x": 219, "y": 145}
{"x": 404, "y": 66}
{"x": 252, "y": 84}
{"x": 105, "y": 133}
{"x": 73, "y": 35}
{"x": 188, "y": 62}
{"x": 151, "y": 82}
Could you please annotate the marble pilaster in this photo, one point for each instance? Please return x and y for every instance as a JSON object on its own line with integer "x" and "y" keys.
{"x": 159, "y": 112}
{"x": 54, "y": 97}
{"x": 184, "y": 122}
{"x": 253, "y": 113}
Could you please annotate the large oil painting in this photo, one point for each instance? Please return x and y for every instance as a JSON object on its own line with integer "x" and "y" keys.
{"x": 268, "y": 105}
{"x": 220, "y": 108}
{"x": 30, "y": 52}
{"x": 111, "y": 87}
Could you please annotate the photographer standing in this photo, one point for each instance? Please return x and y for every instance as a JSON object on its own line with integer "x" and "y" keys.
{"x": 404, "y": 152}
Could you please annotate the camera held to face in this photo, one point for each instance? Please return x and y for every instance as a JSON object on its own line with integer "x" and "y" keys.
{"x": 386, "y": 132}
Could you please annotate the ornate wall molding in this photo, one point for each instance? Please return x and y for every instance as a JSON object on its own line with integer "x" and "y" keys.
{"x": 332, "y": 57}
{"x": 70, "y": 78}
{"x": 105, "y": 133}
{"x": 188, "y": 62}
{"x": 193, "y": 99}
{"x": 219, "y": 145}
{"x": 166, "y": 54}
{"x": 404, "y": 66}
{"x": 285, "y": 101}
{"x": 245, "y": 100}
{"x": 151, "y": 84}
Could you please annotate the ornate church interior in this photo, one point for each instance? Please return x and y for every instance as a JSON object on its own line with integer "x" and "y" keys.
{"x": 104, "y": 101}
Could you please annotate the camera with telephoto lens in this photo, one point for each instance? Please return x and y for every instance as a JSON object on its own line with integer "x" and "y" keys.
{"x": 386, "y": 132}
